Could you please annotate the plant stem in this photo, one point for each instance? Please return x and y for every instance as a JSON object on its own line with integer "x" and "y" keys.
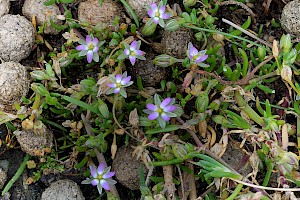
{"x": 235, "y": 192}
{"x": 16, "y": 176}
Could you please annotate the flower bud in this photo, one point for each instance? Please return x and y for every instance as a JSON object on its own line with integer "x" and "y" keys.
{"x": 286, "y": 73}
{"x": 149, "y": 28}
{"x": 209, "y": 20}
{"x": 164, "y": 60}
{"x": 179, "y": 150}
{"x": 287, "y": 162}
{"x": 261, "y": 53}
{"x": 189, "y": 3}
{"x": 103, "y": 108}
{"x": 202, "y": 102}
{"x": 290, "y": 57}
{"x": 172, "y": 25}
{"x": 286, "y": 42}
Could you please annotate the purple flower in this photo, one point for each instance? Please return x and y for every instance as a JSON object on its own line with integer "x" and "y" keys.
{"x": 118, "y": 83}
{"x": 196, "y": 56}
{"x": 161, "y": 110}
{"x": 158, "y": 13}
{"x": 89, "y": 48}
{"x": 132, "y": 52}
{"x": 100, "y": 177}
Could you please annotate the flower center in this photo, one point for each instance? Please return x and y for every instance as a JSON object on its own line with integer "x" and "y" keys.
{"x": 99, "y": 177}
{"x": 118, "y": 85}
{"x": 160, "y": 111}
{"x": 157, "y": 14}
{"x": 133, "y": 53}
{"x": 91, "y": 46}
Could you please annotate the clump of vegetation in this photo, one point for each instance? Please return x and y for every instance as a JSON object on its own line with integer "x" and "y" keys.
{"x": 212, "y": 87}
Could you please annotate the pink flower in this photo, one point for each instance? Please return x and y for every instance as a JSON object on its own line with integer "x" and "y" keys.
{"x": 132, "y": 52}
{"x": 158, "y": 13}
{"x": 100, "y": 177}
{"x": 89, "y": 48}
{"x": 196, "y": 56}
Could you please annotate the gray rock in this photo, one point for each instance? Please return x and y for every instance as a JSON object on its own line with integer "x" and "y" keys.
{"x": 43, "y": 14}
{"x": 63, "y": 190}
{"x": 16, "y": 37}
{"x": 290, "y": 18}
{"x": 4, "y": 7}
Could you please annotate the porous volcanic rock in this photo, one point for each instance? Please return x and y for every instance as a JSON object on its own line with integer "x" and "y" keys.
{"x": 127, "y": 168}
{"x": 4, "y": 7}
{"x": 43, "y": 14}
{"x": 34, "y": 144}
{"x": 14, "y": 84}
{"x": 64, "y": 190}
{"x": 290, "y": 18}
{"x": 90, "y": 11}
{"x": 16, "y": 37}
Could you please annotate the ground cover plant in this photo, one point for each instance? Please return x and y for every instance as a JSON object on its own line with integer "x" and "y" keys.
{"x": 149, "y": 100}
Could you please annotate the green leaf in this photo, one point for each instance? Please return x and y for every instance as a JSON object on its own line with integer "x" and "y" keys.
{"x": 131, "y": 12}
{"x": 66, "y": 1}
{"x": 163, "y": 130}
{"x": 49, "y": 3}
{"x": 57, "y": 26}
{"x": 81, "y": 104}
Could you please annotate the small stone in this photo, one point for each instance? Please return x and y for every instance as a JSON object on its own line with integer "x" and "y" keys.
{"x": 127, "y": 168}
{"x": 16, "y": 37}
{"x": 90, "y": 11}
{"x": 64, "y": 190}
{"x": 43, "y": 14}
{"x": 139, "y": 7}
{"x": 290, "y": 18}
{"x": 3, "y": 177}
{"x": 14, "y": 84}
{"x": 35, "y": 144}
{"x": 174, "y": 43}
{"x": 150, "y": 73}
{"x": 4, "y": 7}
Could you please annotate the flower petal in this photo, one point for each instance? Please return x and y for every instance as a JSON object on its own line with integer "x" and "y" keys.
{"x": 139, "y": 52}
{"x": 151, "y": 107}
{"x": 126, "y": 52}
{"x": 111, "y": 85}
{"x": 89, "y": 56}
{"x": 96, "y": 49}
{"x": 93, "y": 171}
{"x": 162, "y": 9}
{"x": 95, "y": 182}
{"x": 153, "y": 116}
{"x": 155, "y": 20}
{"x": 132, "y": 59}
{"x": 118, "y": 78}
{"x": 105, "y": 184}
{"x": 125, "y": 80}
{"x": 170, "y": 108}
{"x": 116, "y": 90}
{"x": 165, "y": 16}
{"x": 82, "y": 47}
{"x": 201, "y": 58}
{"x": 192, "y": 51}
{"x": 101, "y": 168}
{"x": 165, "y": 117}
{"x": 95, "y": 41}
{"x": 109, "y": 174}
{"x": 165, "y": 102}
{"x": 153, "y": 8}
{"x": 88, "y": 39}
{"x": 133, "y": 45}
